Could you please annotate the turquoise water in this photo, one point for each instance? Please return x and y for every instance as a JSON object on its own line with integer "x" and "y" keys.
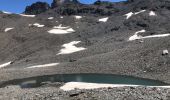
{"x": 92, "y": 78}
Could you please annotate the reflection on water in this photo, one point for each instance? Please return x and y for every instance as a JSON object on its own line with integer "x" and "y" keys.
{"x": 92, "y": 78}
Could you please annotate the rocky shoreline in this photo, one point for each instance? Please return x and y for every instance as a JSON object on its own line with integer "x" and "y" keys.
{"x": 52, "y": 92}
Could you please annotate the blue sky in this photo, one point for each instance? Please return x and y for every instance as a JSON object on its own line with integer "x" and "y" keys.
{"x": 18, "y": 6}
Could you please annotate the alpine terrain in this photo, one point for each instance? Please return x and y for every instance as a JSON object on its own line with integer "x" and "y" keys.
{"x": 130, "y": 38}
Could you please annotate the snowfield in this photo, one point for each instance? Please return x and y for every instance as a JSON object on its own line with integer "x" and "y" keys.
{"x": 70, "y": 48}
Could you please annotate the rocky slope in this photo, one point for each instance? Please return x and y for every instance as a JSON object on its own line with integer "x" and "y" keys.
{"x": 126, "y": 38}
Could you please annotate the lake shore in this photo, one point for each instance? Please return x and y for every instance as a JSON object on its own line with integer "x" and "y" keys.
{"x": 52, "y": 92}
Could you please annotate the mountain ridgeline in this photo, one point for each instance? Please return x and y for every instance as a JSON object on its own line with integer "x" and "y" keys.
{"x": 72, "y": 7}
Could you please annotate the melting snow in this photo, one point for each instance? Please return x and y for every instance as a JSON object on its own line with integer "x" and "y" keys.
{"x": 154, "y": 36}
{"x": 8, "y": 29}
{"x": 61, "y": 30}
{"x": 128, "y": 15}
{"x": 103, "y": 19}
{"x": 70, "y": 48}
{"x": 136, "y": 36}
{"x": 61, "y": 17}
{"x": 82, "y": 85}
{"x": 27, "y": 15}
{"x": 51, "y": 18}
{"x": 38, "y": 25}
{"x": 5, "y": 64}
{"x": 78, "y": 17}
{"x": 45, "y": 65}
{"x": 152, "y": 13}
{"x": 139, "y": 12}
{"x": 60, "y": 27}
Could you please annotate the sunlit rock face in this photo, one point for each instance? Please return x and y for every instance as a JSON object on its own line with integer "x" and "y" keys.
{"x": 56, "y": 3}
{"x": 37, "y": 8}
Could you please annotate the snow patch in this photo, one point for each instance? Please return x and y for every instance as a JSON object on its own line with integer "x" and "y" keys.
{"x": 165, "y": 52}
{"x": 155, "y": 36}
{"x": 5, "y": 64}
{"x": 38, "y": 25}
{"x": 130, "y": 14}
{"x": 152, "y": 13}
{"x": 61, "y": 30}
{"x": 27, "y": 15}
{"x": 61, "y": 17}
{"x": 139, "y": 12}
{"x": 61, "y": 27}
{"x": 82, "y": 85}
{"x": 8, "y": 29}
{"x": 137, "y": 37}
{"x": 103, "y": 19}
{"x": 70, "y": 48}
{"x": 45, "y": 65}
{"x": 78, "y": 17}
{"x": 50, "y": 18}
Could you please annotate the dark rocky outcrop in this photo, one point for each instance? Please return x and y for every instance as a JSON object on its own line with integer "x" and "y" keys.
{"x": 37, "y": 8}
{"x": 57, "y": 3}
{"x": 99, "y": 8}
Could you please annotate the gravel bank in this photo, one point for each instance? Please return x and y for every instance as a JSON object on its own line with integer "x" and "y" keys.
{"x": 54, "y": 93}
